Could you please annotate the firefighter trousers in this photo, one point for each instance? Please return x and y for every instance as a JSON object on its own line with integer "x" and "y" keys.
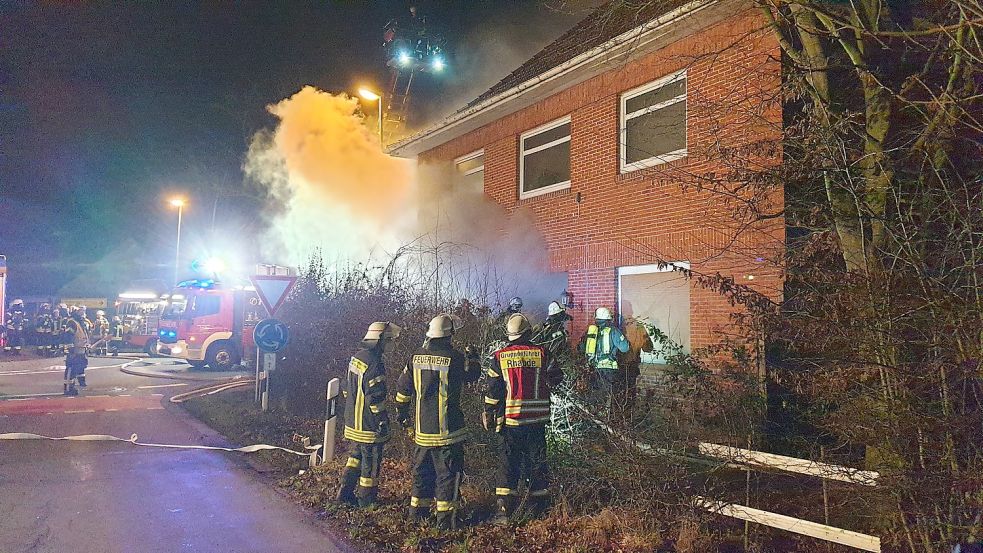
{"x": 437, "y": 473}
{"x": 523, "y": 447}
{"x": 360, "y": 480}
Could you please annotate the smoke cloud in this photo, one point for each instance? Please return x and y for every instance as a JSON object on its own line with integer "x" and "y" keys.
{"x": 335, "y": 191}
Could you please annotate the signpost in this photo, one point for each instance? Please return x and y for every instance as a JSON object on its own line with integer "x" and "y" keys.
{"x": 330, "y": 421}
{"x": 270, "y": 334}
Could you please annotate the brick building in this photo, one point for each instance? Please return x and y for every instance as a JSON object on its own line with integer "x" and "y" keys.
{"x": 625, "y": 137}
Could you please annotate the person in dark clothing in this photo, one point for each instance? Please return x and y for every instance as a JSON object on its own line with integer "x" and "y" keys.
{"x": 76, "y": 360}
{"x": 366, "y": 417}
{"x": 434, "y": 378}
{"x": 517, "y": 406}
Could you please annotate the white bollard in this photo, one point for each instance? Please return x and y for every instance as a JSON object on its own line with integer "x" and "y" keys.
{"x": 330, "y": 421}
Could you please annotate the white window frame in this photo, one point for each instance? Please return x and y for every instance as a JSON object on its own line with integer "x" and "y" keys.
{"x": 624, "y": 117}
{"x": 522, "y": 157}
{"x": 648, "y": 269}
{"x": 469, "y": 157}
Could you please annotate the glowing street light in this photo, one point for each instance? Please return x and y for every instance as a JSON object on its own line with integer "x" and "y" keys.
{"x": 437, "y": 64}
{"x": 372, "y": 96}
{"x": 179, "y": 203}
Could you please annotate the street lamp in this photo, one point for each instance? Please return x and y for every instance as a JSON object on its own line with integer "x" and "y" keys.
{"x": 179, "y": 204}
{"x": 373, "y": 97}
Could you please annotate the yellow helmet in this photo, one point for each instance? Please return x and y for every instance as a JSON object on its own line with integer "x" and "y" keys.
{"x": 517, "y": 325}
{"x": 379, "y": 330}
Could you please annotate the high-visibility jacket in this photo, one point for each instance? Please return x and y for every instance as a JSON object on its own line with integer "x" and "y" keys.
{"x": 366, "y": 418}
{"x": 601, "y": 345}
{"x": 434, "y": 378}
{"x": 517, "y": 387}
{"x": 79, "y": 332}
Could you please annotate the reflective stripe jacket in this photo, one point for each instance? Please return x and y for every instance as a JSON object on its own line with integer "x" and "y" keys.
{"x": 517, "y": 387}
{"x": 434, "y": 377}
{"x": 601, "y": 346}
{"x": 365, "y": 399}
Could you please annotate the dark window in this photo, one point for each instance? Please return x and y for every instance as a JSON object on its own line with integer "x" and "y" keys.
{"x": 653, "y": 126}
{"x": 206, "y": 305}
{"x": 545, "y": 160}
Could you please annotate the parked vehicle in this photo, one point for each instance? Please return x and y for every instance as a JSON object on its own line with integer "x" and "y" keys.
{"x": 208, "y": 323}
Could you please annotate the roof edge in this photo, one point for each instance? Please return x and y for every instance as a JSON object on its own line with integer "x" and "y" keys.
{"x": 429, "y": 137}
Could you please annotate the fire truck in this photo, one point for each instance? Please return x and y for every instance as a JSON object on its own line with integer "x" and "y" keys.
{"x": 209, "y": 323}
{"x": 140, "y": 307}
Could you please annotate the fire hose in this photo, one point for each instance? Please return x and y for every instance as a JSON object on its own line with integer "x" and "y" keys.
{"x": 134, "y": 439}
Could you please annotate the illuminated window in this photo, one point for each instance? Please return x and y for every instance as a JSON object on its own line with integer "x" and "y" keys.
{"x": 471, "y": 171}
{"x": 653, "y": 123}
{"x": 544, "y": 159}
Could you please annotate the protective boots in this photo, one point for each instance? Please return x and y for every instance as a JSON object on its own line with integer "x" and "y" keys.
{"x": 504, "y": 507}
{"x": 346, "y": 492}
{"x": 367, "y": 496}
{"x": 81, "y": 379}
{"x": 447, "y": 520}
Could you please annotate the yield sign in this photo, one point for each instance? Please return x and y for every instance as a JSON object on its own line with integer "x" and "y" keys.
{"x": 273, "y": 290}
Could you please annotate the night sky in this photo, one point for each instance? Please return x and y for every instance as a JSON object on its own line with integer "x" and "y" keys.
{"x": 105, "y": 110}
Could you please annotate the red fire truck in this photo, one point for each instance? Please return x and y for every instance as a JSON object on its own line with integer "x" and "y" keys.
{"x": 139, "y": 308}
{"x": 209, "y": 323}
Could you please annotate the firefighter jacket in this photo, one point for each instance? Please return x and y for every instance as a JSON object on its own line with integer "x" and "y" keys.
{"x": 434, "y": 378}
{"x": 79, "y": 331}
{"x": 601, "y": 344}
{"x": 366, "y": 418}
{"x": 44, "y": 324}
{"x": 517, "y": 385}
{"x": 553, "y": 336}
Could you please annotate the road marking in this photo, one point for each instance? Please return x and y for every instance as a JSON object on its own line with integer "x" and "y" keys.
{"x": 154, "y": 408}
{"x": 82, "y": 411}
{"x": 161, "y": 386}
{"x": 111, "y": 410}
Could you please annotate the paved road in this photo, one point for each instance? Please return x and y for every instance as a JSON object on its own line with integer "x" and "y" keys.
{"x": 115, "y": 497}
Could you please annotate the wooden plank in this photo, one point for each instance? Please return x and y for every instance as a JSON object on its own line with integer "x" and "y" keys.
{"x": 849, "y": 538}
{"x": 790, "y": 464}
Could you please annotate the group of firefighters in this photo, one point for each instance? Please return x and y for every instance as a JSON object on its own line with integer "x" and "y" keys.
{"x": 50, "y": 329}
{"x": 515, "y": 381}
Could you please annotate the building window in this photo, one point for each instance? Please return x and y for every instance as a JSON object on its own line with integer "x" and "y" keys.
{"x": 470, "y": 171}
{"x": 544, "y": 159}
{"x": 653, "y": 123}
{"x": 658, "y": 295}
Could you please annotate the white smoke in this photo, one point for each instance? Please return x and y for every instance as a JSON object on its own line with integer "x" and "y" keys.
{"x": 334, "y": 190}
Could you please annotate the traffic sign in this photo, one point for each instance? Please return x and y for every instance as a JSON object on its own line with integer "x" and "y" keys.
{"x": 271, "y": 335}
{"x": 273, "y": 290}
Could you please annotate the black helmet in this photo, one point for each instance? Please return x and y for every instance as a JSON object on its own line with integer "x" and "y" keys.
{"x": 515, "y": 304}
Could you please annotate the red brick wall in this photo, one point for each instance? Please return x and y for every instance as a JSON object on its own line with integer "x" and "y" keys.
{"x": 661, "y": 213}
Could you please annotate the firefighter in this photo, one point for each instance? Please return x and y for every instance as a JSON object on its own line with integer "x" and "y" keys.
{"x": 600, "y": 345}
{"x": 15, "y": 324}
{"x": 100, "y": 331}
{"x": 75, "y": 360}
{"x": 435, "y": 376}
{"x": 553, "y": 335}
{"x": 517, "y": 406}
{"x": 117, "y": 332}
{"x": 61, "y": 324}
{"x": 43, "y": 327}
{"x": 366, "y": 417}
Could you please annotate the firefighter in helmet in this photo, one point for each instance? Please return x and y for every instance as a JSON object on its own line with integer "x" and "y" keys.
{"x": 432, "y": 381}
{"x": 600, "y": 346}
{"x": 76, "y": 360}
{"x": 517, "y": 406}
{"x": 43, "y": 328}
{"x": 118, "y": 336}
{"x": 14, "y": 325}
{"x": 366, "y": 417}
{"x": 553, "y": 335}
